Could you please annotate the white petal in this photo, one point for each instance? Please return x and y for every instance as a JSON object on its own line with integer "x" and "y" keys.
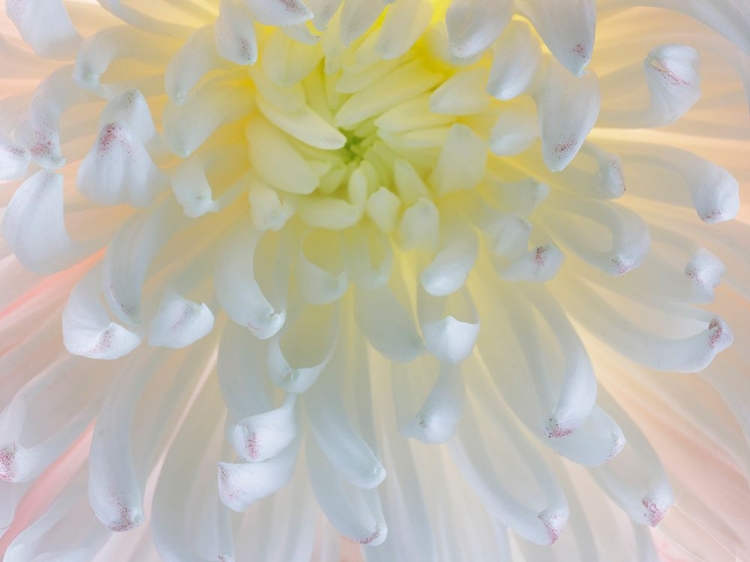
{"x": 120, "y": 42}
{"x": 179, "y": 322}
{"x": 14, "y": 159}
{"x": 403, "y": 25}
{"x": 673, "y": 80}
{"x": 515, "y": 130}
{"x": 630, "y": 236}
{"x": 567, "y": 28}
{"x": 334, "y": 431}
{"x": 263, "y": 436}
{"x": 39, "y": 129}
{"x": 240, "y": 485}
{"x": 382, "y": 208}
{"x": 234, "y": 33}
{"x": 508, "y": 235}
{"x": 462, "y": 94}
{"x": 356, "y": 18}
{"x": 473, "y": 25}
{"x": 187, "y": 126}
{"x": 306, "y": 126}
{"x": 269, "y": 209}
{"x": 387, "y": 324}
{"x": 113, "y": 488}
{"x": 674, "y": 86}
{"x": 714, "y": 191}
{"x": 196, "y": 57}
{"x": 454, "y": 260}
{"x": 577, "y": 389}
{"x": 401, "y": 85}
{"x": 539, "y": 265}
{"x": 129, "y": 255}
{"x": 593, "y": 444}
{"x": 191, "y": 186}
{"x": 567, "y": 108}
{"x": 369, "y": 256}
{"x": 688, "y": 354}
{"x": 61, "y": 386}
{"x": 462, "y": 161}
{"x": 287, "y": 60}
{"x": 409, "y": 185}
{"x": 276, "y": 161}
{"x": 87, "y": 330}
{"x": 635, "y": 479}
{"x": 118, "y": 169}
{"x": 34, "y": 226}
{"x": 355, "y": 513}
{"x": 498, "y": 485}
{"x": 279, "y": 12}
{"x": 324, "y": 11}
{"x": 322, "y": 276}
{"x": 515, "y": 59}
{"x": 131, "y": 108}
{"x": 520, "y": 197}
{"x": 299, "y": 354}
{"x": 44, "y": 25}
{"x": 437, "y": 420}
{"x": 450, "y": 325}
{"x": 238, "y": 289}
{"x": 412, "y": 115}
{"x": 704, "y": 270}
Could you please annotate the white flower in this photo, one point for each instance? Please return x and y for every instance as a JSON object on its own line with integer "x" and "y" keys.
{"x": 304, "y": 239}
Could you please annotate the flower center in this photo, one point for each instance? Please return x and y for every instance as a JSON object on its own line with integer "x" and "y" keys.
{"x": 363, "y": 140}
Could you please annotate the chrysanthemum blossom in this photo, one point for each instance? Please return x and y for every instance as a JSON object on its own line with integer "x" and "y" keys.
{"x": 307, "y": 280}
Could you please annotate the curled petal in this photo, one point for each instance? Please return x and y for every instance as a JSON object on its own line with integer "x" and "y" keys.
{"x": 234, "y": 33}
{"x": 567, "y": 28}
{"x": 439, "y": 417}
{"x": 263, "y": 436}
{"x": 568, "y": 107}
{"x": 34, "y": 226}
{"x": 179, "y": 322}
{"x": 87, "y": 329}
{"x": 241, "y": 485}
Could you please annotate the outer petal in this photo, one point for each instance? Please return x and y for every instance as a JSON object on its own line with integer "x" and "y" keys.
{"x": 566, "y": 27}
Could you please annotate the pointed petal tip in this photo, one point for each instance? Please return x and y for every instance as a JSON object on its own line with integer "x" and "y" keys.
{"x": 377, "y": 537}
{"x": 720, "y": 335}
{"x": 656, "y": 509}
{"x": 553, "y": 522}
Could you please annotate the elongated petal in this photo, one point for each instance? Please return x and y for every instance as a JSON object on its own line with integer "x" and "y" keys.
{"x": 34, "y": 226}
{"x": 567, "y": 28}
{"x": 473, "y": 25}
{"x": 87, "y": 329}
{"x": 45, "y": 25}
{"x": 240, "y": 485}
{"x": 179, "y": 322}
{"x": 567, "y": 108}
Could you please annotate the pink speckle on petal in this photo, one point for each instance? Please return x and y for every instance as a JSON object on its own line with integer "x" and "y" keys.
{"x": 553, "y": 523}
{"x": 566, "y": 145}
{"x": 8, "y": 462}
{"x": 370, "y": 538}
{"x": 717, "y": 333}
{"x": 654, "y": 513}
{"x": 251, "y": 446}
{"x": 581, "y": 51}
{"x": 539, "y": 258}
{"x": 555, "y": 430}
